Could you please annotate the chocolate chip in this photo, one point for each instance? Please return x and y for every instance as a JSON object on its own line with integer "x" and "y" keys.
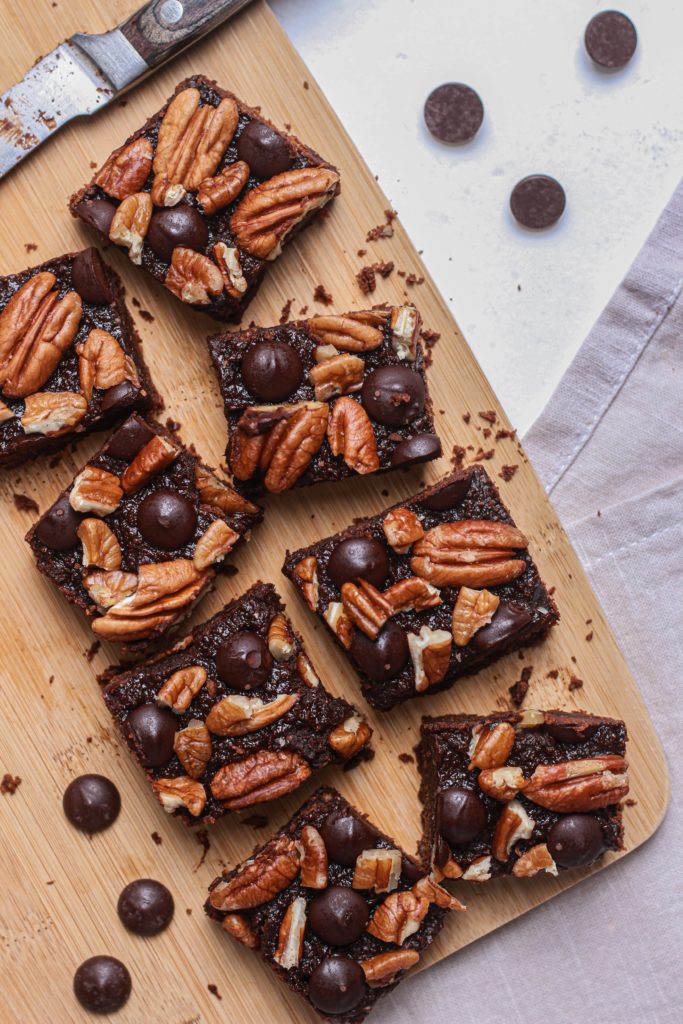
{"x": 98, "y": 213}
{"x": 565, "y": 733}
{"x": 411, "y": 871}
{"x": 57, "y": 528}
{"x": 91, "y": 802}
{"x": 145, "y": 906}
{"x": 154, "y": 730}
{"x": 102, "y": 984}
{"x": 611, "y": 39}
{"x": 449, "y": 496}
{"x": 393, "y": 395}
{"x": 383, "y": 658}
{"x": 338, "y": 915}
{"x": 131, "y": 436}
{"x": 167, "y": 519}
{"x": 461, "y": 815}
{"x": 119, "y": 398}
{"x": 362, "y": 557}
{"x": 420, "y": 448}
{"x": 176, "y": 225}
{"x": 509, "y": 619}
{"x": 337, "y": 985}
{"x": 264, "y": 149}
{"x": 89, "y": 277}
{"x": 345, "y": 837}
{"x": 576, "y": 840}
{"x": 453, "y": 112}
{"x": 537, "y": 201}
{"x": 442, "y": 852}
{"x": 272, "y": 370}
{"x": 244, "y": 662}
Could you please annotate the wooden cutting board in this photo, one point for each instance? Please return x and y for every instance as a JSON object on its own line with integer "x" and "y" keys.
{"x": 59, "y": 889}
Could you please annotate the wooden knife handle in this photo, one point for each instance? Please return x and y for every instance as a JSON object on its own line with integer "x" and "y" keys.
{"x": 163, "y": 28}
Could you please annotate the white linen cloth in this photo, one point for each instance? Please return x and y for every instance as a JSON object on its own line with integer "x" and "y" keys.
{"x": 610, "y": 441}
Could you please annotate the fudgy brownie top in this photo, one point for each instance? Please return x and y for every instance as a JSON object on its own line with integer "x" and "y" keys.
{"x": 205, "y": 194}
{"x": 137, "y": 536}
{"x": 428, "y": 590}
{"x": 325, "y": 398}
{"x": 520, "y": 792}
{"x": 334, "y": 906}
{"x": 234, "y": 715}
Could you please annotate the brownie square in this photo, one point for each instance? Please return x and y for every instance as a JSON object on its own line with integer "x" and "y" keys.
{"x": 205, "y": 195}
{"x": 334, "y": 906}
{"x": 139, "y": 535}
{"x": 521, "y": 792}
{"x": 427, "y": 591}
{"x": 234, "y": 715}
{"x": 70, "y": 359}
{"x": 325, "y": 398}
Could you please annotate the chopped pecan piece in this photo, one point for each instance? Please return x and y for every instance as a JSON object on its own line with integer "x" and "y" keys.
{"x": 218, "y": 192}
{"x": 471, "y": 552}
{"x": 180, "y": 689}
{"x": 435, "y": 893}
{"x": 351, "y": 435}
{"x": 573, "y": 787}
{"x": 164, "y": 590}
{"x": 130, "y": 224}
{"x": 192, "y": 746}
{"x": 109, "y": 587}
{"x": 6, "y": 413}
{"x": 220, "y": 495}
{"x": 237, "y": 715}
{"x": 402, "y": 528}
{"x": 102, "y": 363}
{"x": 95, "y": 490}
{"x": 100, "y": 545}
{"x": 280, "y": 640}
{"x": 398, "y": 917}
{"x": 379, "y": 870}
{"x": 473, "y": 609}
{"x": 411, "y": 594}
{"x": 382, "y": 969}
{"x": 155, "y": 456}
{"x": 52, "y": 412}
{"x": 339, "y": 622}
{"x": 502, "y": 784}
{"x": 365, "y": 606}
{"x": 307, "y": 571}
{"x": 265, "y": 775}
{"x": 350, "y": 736}
{"x": 479, "y": 870}
{"x": 290, "y": 941}
{"x": 228, "y": 261}
{"x": 193, "y": 277}
{"x": 514, "y": 824}
{"x": 338, "y": 375}
{"x": 235, "y": 925}
{"x": 491, "y": 745}
{"x": 259, "y": 880}
{"x": 306, "y": 673}
{"x": 346, "y": 333}
{"x": 534, "y": 860}
{"x": 181, "y": 792}
{"x": 214, "y": 544}
{"x": 430, "y": 653}
{"x": 126, "y": 170}
{"x": 313, "y": 858}
{"x": 405, "y": 326}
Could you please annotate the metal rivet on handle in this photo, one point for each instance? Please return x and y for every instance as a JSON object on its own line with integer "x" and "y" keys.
{"x": 170, "y": 12}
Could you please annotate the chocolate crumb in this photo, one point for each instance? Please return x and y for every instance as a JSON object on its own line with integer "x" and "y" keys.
{"x": 429, "y": 337}
{"x": 458, "y": 456}
{"x": 303, "y": 311}
{"x": 213, "y": 989}
{"x": 630, "y": 802}
{"x": 9, "y": 784}
{"x": 481, "y": 455}
{"x": 553, "y": 674}
{"x": 519, "y": 690}
{"x": 136, "y": 302}
{"x": 385, "y": 230}
{"x": 322, "y": 295}
{"x": 489, "y": 415}
{"x": 467, "y": 416}
{"x": 589, "y": 636}
{"x": 575, "y": 683}
{"x": 285, "y": 311}
{"x": 507, "y": 472}
{"x": 202, "y": 837}
{"x": 51, "y": 680}
{"x": 92, "y": 650}
{"x": 362, "y": 252}
{"x": 188, "y": 911}
{"x": 146, "y": 316}
{"x": 50, "y": 881}
{"x": 412, "y": 279}
{"x": 385, "y": 493}
{"x": 288, "y": 126}
{"x": 383, "y": 268}
{"x": 255, "y": 820}
{"x": 486, "y": 432}
{"x": 173, "y": 425}
{"x": 406, "y": 758}
{"x": 552, "y": 591}
{"x": 306, "y": 86}
{"x": 23, "y": 503}
{"x": 502, "y": 434}
{"x": 157, "y": 838}
{"x": 30, "y": 246}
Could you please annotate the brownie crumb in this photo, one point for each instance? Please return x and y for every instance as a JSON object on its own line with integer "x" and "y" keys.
{"x": 553, "y": 674}
{"x": 466, "y": 416}
{"x": 285, "y": 311}
{"x": 255, "y": 820}
{"x": 489, "y": 415}
{"x": 364, "y": 754}
{"x": 50, "y": 881}
{"x": 322, "y": 295}
{"x": 92, "y": 650}
{"x": 23, "y": 503}
{"x": 507, "y": 472}
{"x": 213, "y": 989}
{"x": 406, "y": 758}
{"x": 383, "y": 267}
{"x": 413, "y": 279}
{"x": 288, "y": 126}
{"x": 575, "y": 683}
{"x": 519, "y": 690}
{"x": 157, "y": 838}
{"x": 30, "y": 246}
{"x": 303, "y": 311}
{"x": 552, "y": 591}
{"x": 136, "y": 302}
{"x": 480, "y": 455}
{"x": 362, "y": 252}
{"x": 486, "y": 432}
{"x": 202, "y": 837}
{"x": 306, "y": 86}
{"x": 429, "y": 337}
{"x": 366, "y": 280}
{"x": 589, "y": 636}
{"x": 9, "y": 784}
{"x": 502, "y": 434}
{"x": 188, "y": 911}
{"x": 50, "y": 680}
{"x": 146, "y": 315}
{"x": 385, "y": 230}
{"x": 630, "y": 802}
{"x": 458, "y": 456}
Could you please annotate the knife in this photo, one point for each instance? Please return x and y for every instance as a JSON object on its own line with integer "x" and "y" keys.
{"x": 86, "y": 72}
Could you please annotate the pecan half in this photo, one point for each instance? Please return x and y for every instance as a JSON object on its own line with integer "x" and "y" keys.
{"x": 109, "y": 587}
{"x": 265, "y": 775}
{"x": 350, "y": 736}
{"x": 338, "y": 375}
{"x": 398, "y": 917}
{"x": 280, "y": 640}
{"x": 192, "y": 746}
{"x": 100, "y": 545}
{"x": 218, "y": 494}
{"x": 430, "y": 653}
{"x": 126, "y": 170}
{"x": 164, "y": 590}
{"x": 513, "y": 824}
{"x": 405, "y": 326}
{"x": 181, "y": 792}
{"x": 411, "y": 594}
{"x": 269, "y": 212}
{"x": 219, "y": 191}
{"x": 577, "y": 786}
{"x": 491, "y": 745}
{"x": 36, "y": 329}
{"x": 473, "y": 609}
{"x": 259, "y": 880}
{"x": 237, "y": 715}
{"x": 214, "y": 544}
{"x": 502, "y": 784}
{"x": 472, "y": 552}
{"x": 193, "y": 277}
{"x": 235, "y": 925}
{"x": 180, "y": 689}
{"x": 52, "y": 412}
{"x": 228, "y": 260}
{"x": 365, "y": 606}
{"x": 155, "y": 456}
{"x": 102, "y": 363}
{"x": 382, "y": 969}
{"x": 300, "y": 440}
{"x": 534, "y": 860}
{"x": 95, "y": 490}
{"x": 402, "y": 528}
{"x": 351, "y": 435}
{"x": 339, "y": 622}
{"x": 379, "y": 870}
{"x": 130, "y": 224}
{"x": 306, "y": 571}
{"x": 290, "y": 941}
{"x": 313, "y": 853}
{"x": 347, "y": 333}
{"x": 191, "y": 143}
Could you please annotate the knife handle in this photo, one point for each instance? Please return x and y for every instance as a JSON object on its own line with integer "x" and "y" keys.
{"x": 163, "y": 28}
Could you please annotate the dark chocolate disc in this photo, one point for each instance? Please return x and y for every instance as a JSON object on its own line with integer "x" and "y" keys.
{"x": 272, "y": 370}
{"x": 119, "y": 398}
{"x": 337, "y": 985}
{"x": 89, "y": 277}
{"x": 611, "y": 39}
{"x": 175, "y": 226}
{"x": 154, "y": 730}
{"x": 130, "y": 437}
{"x": 393, "y": 395}
{"x": 420, "y": 448}
{"x": 449, "y": 496}
{"x": 355, "y": 557}
{"x": 98, "y": 213}
{"x": 338, "y": 915}
{"x": 537, "y": 201}
{"x": 383, "y": 658}
{"x": 145, "y": 906}
{"x": 102, "y": 984}
{"x": 244, "y": 661}
{"x": 167, "y": 519}
{"x": 509, "y": 619}
{"x": 57, "y": 528}
{"x": 345, "y": 837}
{"x": 571, "y": 733}
{"x": 576, "y": 840}
{"x": 264, "y": 149}
{"x": 453, "y": 112}
{"x": 461, "y": 815}
{"x": 91, "y": 802}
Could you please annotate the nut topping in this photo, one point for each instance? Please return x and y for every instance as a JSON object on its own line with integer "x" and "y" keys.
{"x": 280, "y": 640}
{"x": 155, "y": 456}
{"x": 430, "y": 653}
{"x": 110, "y": 587}
{"x": 350, "y": 736}
{"x": 350, "y": 435}
{"x": 313, "y": 858}
{"x": 51, "y": 412}
{"x": 306, "y": 673}
{"x": 478, "y": 871}
{"x": 100, "y": 545}
{"x": 95, "y": 490}
{"x": 164, "y": 589}
{"x": 301, "y": 438}
{"x": 290, "y": 941}
{"x": 214, "y": 544}
{"x": 502, "y": 784}
{"x": 379, "y": 870}
{"x": 339, "y": 622}
{"x": 259, "y": 880}
{"x": 228, "y": 261}
{"x": 235, "y": 925}
{"x": 130, "y": 224}
{"x": 193, "y": 277}
{"x": 269, "y": 212}
{"x": 534, "y": 860}
{"x": 102, "y": 363}
{"x": 514, "y": 824}
{"x": 402, "y": 528}
{"x": 180, "y": 689}
{"x": 218, "y": 494}
{"x": 338, "y": 375}
{"x": 192, "y": 746}
{"x": 262, "y": 776}
{"x": 579, "y": 786}
{"x": 218, "y": 192}
{"x": 238, "y": 715}
{"x": 471, "y": 552}
{"x": 365, "y": 606}
{"x": 382, "y": 969}
{"x": 412, "y": 594}
{"x": 473, "y": 609}
{"x": 6, "y": 413}
{"x": 398, "y": 917}
{"x": 126, "y": 170}
{"x": 346, "y": 333}
{"x": 181, "y": 792}
{"x": 435, "y": 893}
{"x": 307, "y": 571}
{"x": 490, "y": 745}
{"x": 405, "y": 323}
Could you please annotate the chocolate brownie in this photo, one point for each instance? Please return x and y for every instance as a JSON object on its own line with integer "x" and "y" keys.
{"x": 427, "y": 591}
{"x": 234, "y": 715}
{"x": 325, "y": 398}
{"x": 138, "y": 537}
{"x": 520, "y": 792}
{"x": 334, "y": 906}
{"x": 204, "y": 195}
{"x": 70, "y": 359}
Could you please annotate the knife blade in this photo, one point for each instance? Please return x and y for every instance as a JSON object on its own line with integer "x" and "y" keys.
{"x": 86, "y": 72}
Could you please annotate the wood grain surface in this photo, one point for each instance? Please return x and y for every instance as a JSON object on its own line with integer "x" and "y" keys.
{"x": 59, "y": 888}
